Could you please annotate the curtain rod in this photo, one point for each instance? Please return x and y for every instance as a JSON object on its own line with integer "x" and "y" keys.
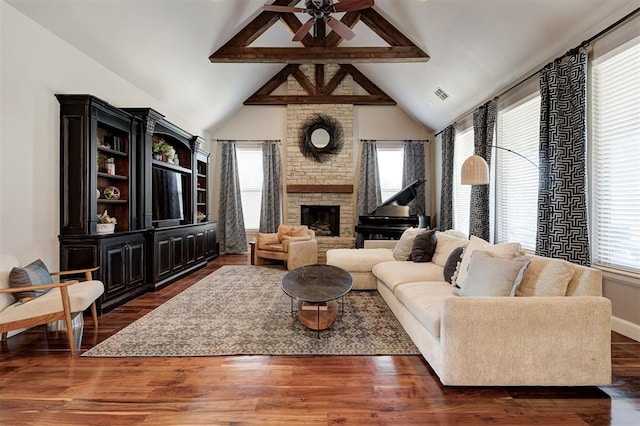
{"x": 247, "y": 140}
{"x": 397, "y": 140}
{"x": 584, "y": 43}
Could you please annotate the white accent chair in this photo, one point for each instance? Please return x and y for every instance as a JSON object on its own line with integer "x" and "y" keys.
{"x": 59, "y": 303}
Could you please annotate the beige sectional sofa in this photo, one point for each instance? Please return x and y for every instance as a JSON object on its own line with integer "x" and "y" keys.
{"x": 532, "y": 339}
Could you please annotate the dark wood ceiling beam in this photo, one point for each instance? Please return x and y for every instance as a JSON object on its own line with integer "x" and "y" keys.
{"x": 261, "y": 23}
{"x": 291, "y": 21}
{"x": 362, "y": 80}
{"x": 319, "y": 74}
{"x": 384, "y": 28}
{"x": 304, "y": 82}
{"x": 335, "y": 81}
{"x": 277, "y": 80}
{"x": 323, "y": 99}
{"x": 350, "y": 19}
{"x": 315, "y": 55}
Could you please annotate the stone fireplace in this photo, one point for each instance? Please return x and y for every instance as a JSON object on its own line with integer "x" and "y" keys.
{"x": 324, "y": 220}
{"x": 321, "y": 184}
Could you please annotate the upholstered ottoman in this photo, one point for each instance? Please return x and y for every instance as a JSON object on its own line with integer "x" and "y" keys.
{"x": 359, "y": 263}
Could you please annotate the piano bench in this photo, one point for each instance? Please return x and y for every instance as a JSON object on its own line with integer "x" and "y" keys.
{"x": 359, "y": 263}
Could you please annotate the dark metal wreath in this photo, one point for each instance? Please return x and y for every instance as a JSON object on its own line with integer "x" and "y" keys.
{"x": 336, "y": 138}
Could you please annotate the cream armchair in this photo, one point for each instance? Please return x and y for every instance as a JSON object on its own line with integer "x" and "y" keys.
{"x": 295, "y": 245}
{"x": 59, "y": 303}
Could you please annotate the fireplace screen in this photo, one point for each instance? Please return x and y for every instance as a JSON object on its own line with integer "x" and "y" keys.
{"x": 324, "y": 220}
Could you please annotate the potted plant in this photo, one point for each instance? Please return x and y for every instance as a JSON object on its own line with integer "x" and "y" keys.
{"x": 106, "y": 224}
{"x": 163, "y": 151}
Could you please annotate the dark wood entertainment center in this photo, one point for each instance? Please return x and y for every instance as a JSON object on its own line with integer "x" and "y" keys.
{"x": 161, "y": 206}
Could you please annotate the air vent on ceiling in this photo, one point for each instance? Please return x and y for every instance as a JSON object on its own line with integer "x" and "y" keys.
{"x": 441, "y": 94}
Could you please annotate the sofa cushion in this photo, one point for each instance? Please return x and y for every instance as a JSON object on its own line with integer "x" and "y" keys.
{"x": 545, "y": 277}
{"x": 403, "y": 247}
{"x": 492, "y": 276}
{"x": 395, "y": 273}
{"x": 504, "y": 251}
{"x": 424, "y": 301}
{"x": 424, "y": 245}
{"x": 445, "y": 245}
{"x": 358, "y": 260}
{"x": 35, "y": 273}
{"x": 452, "y": 264}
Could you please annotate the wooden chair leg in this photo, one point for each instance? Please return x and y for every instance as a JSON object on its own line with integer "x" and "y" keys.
{"x": 3, "y": 336}
{"x": 67, "y": 319}
{"x": 94, "y": 315}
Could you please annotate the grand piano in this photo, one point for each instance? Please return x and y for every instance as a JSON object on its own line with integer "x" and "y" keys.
{"x": 391, "y": 218}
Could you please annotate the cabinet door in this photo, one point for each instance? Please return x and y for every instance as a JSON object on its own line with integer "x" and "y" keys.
{"x": 201, "y": 249}
{"x": 178, "y": 252}
{"x": 135, "y": 263}
{"x": 190, "y": 242}
{"x": 162, "y": 254}
{"x": 114, "y": 271}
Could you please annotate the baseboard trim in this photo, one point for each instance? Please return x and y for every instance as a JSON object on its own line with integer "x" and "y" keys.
{"x": 625, "y": 328}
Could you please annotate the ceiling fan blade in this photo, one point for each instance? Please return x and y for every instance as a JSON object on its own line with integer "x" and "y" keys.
{"x": 351, "y": 5}
{"x": 304, "y": 29}
{"x": 341, "y": 29}
{"x": 276, "y": 8}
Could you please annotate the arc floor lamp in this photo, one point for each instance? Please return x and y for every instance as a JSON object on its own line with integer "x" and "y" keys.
{"x": 475, "y": 170}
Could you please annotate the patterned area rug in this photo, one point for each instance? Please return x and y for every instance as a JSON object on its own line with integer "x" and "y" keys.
{"x": 241, "y": 310}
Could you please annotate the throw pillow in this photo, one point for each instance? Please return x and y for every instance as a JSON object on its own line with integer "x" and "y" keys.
{"x": 451, "y": 265}
{"x": 424, "y": 245}
{"x": 492, "y": 276}
{"x": 504, "y": 250}
{"x": 403, "y": 246}
{"x": 35, "y": 273}
{"x": 446, "y": 244}
{"x": 546, "y": 277}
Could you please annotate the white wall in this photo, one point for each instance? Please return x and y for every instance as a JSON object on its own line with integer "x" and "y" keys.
{"x": 35, "y": 65}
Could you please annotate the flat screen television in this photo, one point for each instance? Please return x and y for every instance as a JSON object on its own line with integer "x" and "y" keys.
{"x": 168, "y": 195}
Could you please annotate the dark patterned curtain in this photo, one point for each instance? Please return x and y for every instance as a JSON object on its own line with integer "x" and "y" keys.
{"x": 369, "y": 193}
{"x": 271, "y": 187}
{"x": 484, "y": 121}
{"x": 446, "y": 196}
{"x": 562, "y": 208}
{"x": 414, "y": 169}
{"x": 231, "y": 234}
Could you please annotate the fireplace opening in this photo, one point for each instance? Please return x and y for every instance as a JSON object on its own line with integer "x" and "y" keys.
{"x": 324, "y": 220}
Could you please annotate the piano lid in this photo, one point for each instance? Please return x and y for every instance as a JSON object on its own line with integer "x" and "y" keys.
{"x": 404, "y": 196}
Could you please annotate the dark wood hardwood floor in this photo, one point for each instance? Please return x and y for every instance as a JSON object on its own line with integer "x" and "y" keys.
{"x": 41, "y": 384}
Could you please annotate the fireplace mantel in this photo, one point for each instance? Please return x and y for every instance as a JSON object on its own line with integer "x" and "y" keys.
{"x": 320, "y": 189}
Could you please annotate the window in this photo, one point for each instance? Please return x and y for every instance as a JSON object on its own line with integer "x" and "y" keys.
{"x": 250, "y": 173}
{"x": 463, "y": 148}
{"x": 615, "y": 173}
{"x": 390, "y": 167}
{"x": 516, "y": 178}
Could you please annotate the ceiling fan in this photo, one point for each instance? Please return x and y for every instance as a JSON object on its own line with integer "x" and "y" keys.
{"x": 322, "y": 9}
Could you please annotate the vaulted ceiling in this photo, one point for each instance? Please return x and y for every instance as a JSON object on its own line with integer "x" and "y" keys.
{"x": 476, "y": 47}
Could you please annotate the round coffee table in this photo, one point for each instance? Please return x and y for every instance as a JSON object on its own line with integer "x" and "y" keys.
{"x": 316, "y": 288}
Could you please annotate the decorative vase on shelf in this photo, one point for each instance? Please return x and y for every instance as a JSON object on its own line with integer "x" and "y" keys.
{"x": 170, "y": 154}
{"x": 157, "y": 156}
{"x": 105, "y": 228}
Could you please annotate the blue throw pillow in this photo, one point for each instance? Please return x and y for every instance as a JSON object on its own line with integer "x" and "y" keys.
{"x": 35, "y": 273}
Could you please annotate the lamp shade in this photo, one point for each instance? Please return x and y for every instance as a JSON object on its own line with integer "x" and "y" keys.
{"x": 475, "y": 171}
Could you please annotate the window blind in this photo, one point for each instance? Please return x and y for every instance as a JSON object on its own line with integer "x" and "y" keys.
{"x": 250, "y": 175}
{"x": 517, "y": 179}
{"x": 615, "y": 166}
{"x": 463, "y": 148}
